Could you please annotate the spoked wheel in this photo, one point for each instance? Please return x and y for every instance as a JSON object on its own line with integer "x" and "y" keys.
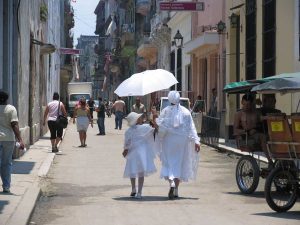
{"x": 281, "y": 189}
{"x": 247, "y": 174}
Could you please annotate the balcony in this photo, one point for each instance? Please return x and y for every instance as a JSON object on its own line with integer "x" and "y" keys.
{"x": 127, "y": 36}
{"x": 160, "y": 32}
{"x": 147, "y": 50}
{"x": 143, "y": 7}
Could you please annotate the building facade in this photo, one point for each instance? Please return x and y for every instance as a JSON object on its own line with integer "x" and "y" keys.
{"x": 88, "y": 58}
{"x": 263, "y": 40}
{"x": 30, "y": 33}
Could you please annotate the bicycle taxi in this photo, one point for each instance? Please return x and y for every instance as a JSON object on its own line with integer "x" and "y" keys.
{"x": 282, "y": 186}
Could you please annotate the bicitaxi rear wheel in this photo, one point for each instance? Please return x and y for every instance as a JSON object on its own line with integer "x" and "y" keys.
{"x": 247, "y": 174}
{"x": 281, "y": 189}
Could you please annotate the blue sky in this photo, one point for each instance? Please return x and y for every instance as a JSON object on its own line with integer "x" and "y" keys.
{"x": 85, "y": 19}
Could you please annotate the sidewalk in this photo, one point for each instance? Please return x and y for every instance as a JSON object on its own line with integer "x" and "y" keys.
{"x": 16, "y": 207}
{"x": 230, "y": 147}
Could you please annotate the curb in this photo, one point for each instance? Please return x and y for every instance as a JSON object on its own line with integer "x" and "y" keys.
{"x": 24, "y": 210}
{"x": 239, "y": 152}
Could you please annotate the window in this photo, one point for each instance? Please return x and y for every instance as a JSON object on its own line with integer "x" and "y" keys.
{"x": 1, "y": 44}
{"x": 189, "y": 76}
{"x": 172, "y": 66}
{"x": 269, "y": 38}
{"x": 299, "y": 28}
{"x": 250, "y": 39}
{"x": 179, "y": 69}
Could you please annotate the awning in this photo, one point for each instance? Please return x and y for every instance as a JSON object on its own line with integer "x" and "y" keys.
{"x": 208, "y": 38}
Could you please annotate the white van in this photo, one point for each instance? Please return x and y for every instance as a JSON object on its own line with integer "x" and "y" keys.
{"x": 164, "y": 102}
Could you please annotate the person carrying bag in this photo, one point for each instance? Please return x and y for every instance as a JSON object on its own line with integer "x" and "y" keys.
{"x": 56, "y": 122}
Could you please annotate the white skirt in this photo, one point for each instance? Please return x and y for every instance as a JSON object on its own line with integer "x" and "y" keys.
{"x": 179, "y": 159}
{"x": 139, "y": 162}
{"x": 82, "y": 123}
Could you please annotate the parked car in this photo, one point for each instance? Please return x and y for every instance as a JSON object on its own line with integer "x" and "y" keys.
{"x": 164, "y": 102}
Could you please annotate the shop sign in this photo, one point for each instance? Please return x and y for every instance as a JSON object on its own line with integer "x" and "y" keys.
{"x": 70, "y": 51}
{"x": 181, "y": 6}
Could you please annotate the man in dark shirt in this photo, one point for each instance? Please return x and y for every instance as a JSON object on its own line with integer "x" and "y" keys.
{"x": 91, "y": 104}
{"x": 101, "y": 116}
{"x": 268, "y": 107}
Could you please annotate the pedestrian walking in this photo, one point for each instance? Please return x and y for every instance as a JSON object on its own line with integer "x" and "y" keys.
{"x": 53, "y": 109}
{"x": 213, "y": 104}
{"x": 119, "y": 108}
{"x": 83, "y": 117}
{"x": 138, "y": 107}
{"x": 9, "y": 133}
{"x": 91, "y": 104}
{"x": 139, "y": 152}
{"x": 101, "y": 117}
{"x": 179, "y": 144}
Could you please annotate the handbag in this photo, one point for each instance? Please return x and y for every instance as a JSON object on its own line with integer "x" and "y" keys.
{"x": 61, "y": 121}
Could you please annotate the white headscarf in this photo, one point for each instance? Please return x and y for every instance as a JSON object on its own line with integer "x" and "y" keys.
{"x": 174, "y": 98}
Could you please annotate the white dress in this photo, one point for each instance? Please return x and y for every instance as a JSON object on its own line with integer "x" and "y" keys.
{"x": 139, "y": 141}
{"x": 177, "y": 145}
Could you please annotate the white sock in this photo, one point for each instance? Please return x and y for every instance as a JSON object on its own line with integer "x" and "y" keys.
{"x": 172, "y": 183}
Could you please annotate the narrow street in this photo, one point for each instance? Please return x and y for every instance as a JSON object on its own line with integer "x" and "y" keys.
{"x": 85, "y": 186}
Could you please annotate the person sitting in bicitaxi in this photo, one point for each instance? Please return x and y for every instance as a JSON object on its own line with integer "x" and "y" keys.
{"x": 139, "y": 152}
{"x": 247, "y": 126}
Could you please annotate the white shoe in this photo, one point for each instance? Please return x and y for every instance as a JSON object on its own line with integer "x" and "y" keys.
{"x": 138, "y": 196}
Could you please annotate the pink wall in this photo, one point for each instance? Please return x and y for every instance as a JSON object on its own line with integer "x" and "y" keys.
{"x": 213, "y": 13}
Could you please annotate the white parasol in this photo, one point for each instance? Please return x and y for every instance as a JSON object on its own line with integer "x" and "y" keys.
{"x": 146, "y": 82}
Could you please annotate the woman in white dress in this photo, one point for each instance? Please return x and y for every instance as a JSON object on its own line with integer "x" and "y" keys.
{"x": 83, "y": 115}
{"x": 139, "y": 152}
{"x": 179, "y": 144}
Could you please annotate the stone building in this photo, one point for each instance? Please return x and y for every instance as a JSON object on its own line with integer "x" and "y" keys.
{"x": 88, "y": 58}
{"x": 30, "y": 35}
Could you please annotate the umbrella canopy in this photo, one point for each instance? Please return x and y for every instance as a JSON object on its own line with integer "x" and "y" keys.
{"x": 239, "y": 87}
{"x": 279, "y": 85}
{"x": 146, "y": 82}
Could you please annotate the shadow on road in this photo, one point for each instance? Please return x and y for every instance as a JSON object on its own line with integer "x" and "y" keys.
{"x": 291, "y": 215}
{"x": 21, "y": 167}
{"x": 152, "y": 199}
{"x": 2, "y": 205}
{"x": 256, "y": 194}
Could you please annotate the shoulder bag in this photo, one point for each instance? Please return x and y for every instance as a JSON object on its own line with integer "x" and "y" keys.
{"x": 61, "y": 120}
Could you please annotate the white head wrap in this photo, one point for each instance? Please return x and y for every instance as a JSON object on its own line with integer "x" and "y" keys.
{"x": 174, "y": 97}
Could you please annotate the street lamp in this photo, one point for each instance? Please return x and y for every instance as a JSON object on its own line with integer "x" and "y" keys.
{"x": 234, "y": 20}
{"x": 178, "y": 39}
{"x": 220, "y": 27}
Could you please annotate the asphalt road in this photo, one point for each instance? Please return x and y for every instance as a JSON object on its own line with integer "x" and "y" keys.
{"x": 86, "y": 187}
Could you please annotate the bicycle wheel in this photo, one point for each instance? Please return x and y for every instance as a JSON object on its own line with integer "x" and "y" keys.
{"x": 247, "y": 174}
{"x": 281, "y": 189}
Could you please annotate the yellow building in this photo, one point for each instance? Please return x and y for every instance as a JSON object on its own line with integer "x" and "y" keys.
{"x": 262, "y": 40}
